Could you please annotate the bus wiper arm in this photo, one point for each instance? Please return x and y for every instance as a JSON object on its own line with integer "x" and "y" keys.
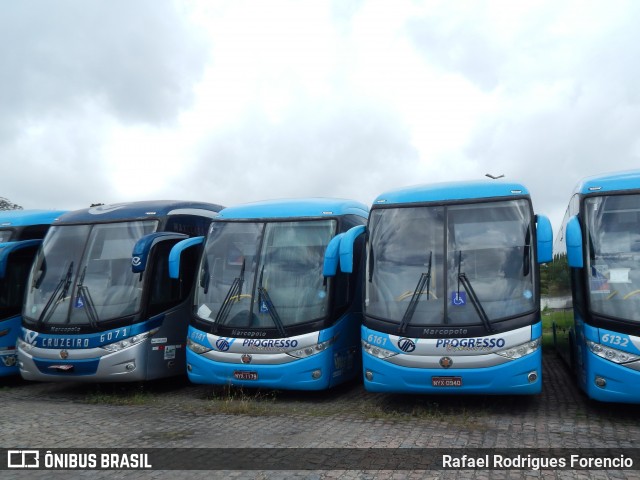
{"x": 233, "y": 294}
{"x": 273, "y": 313}
{"x": 271, "y": 308}
{"x": 425, "y": 280}
{"x": 475, "y": 301}
{"x": 85, "y": 296}
{"x": 56, "y": 297}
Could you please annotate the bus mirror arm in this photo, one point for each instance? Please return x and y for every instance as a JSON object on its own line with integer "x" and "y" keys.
{"x": 545, "y": 239}
{"x": 176, "y": 252}
{"x": 9, "y": 247}
{"x": 143, "y": 247}
{"x": 346, "y": 248}
{"x": 332, "y": 256}
{"x": 573, "y": 238}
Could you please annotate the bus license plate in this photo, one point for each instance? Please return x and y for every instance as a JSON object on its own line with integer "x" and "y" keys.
{"x": 446, "y": 381}
{"x": 243, "y": 375}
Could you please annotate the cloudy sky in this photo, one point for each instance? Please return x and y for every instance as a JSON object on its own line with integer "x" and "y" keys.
{"x": 235, "y": 101}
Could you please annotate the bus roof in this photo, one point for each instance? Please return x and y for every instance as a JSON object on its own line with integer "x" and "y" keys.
{"x": 295, "y": 208}
{"x": 449, "y": 191}
{"x": 609, "y": 182}
{"x": 24, "y": 218}
{"x": 138, "y": 211}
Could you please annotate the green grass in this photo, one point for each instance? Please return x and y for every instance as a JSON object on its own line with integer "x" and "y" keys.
{"x": 238, "y": 401}
{"x": 561, "y": 318}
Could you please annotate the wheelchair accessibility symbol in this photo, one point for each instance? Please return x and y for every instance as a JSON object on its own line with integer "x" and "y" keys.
{"x": 458, "y": 299}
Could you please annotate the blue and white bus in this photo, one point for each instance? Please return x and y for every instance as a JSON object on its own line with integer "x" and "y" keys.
{"x": 21, "y": 233}
{"x": 597, "y": 267}
{"x": 278, "y": 300}
{"x": 100, "y": 305}
{"x": 452, "y": 301}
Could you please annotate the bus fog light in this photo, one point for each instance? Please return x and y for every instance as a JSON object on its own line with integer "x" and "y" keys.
{"x": 532, "y": 377}
{"x": 189, "y": 367}
{"x": 316, "y": 374}
{"x": 130, "y": 366}
{"x": 368, "y": 375}
{"x": 600, "y": 382}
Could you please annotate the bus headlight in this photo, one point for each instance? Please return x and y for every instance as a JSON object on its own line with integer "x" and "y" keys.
{"x": 24, "y": 346}
{"x": 196, "y": 347}
{"x": 312, "y": 349}
{"x": 612, "y": 354}
{"x": 376, "y": 351}
{"x": 129, "y": 342}
{"x": 521, "y": 350}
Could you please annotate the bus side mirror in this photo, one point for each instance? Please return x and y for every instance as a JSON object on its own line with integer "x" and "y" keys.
{"x": 346, "y": 248}
{"x": 143, "y": 247}
{"x": 176, "y": 252}
{"x": 545, "y": 239}
{"x": 8, "y": 248}
{"x": 332, "y": 256}
{"x": 573, "y": 237}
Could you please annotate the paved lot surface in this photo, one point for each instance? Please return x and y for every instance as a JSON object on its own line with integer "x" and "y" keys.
{"x": 176, "y": 415}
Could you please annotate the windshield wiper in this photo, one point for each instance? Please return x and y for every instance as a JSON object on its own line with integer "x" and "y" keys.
{"x": 56, "y": 297}
{"x": 425, "y": 280}
{"x": 271, "y": 309}
{"x": 475, "y": 301}
{"x": 85, "y": 296}
{"x": 233, "y": 294}
{"x": 371, "y": 263}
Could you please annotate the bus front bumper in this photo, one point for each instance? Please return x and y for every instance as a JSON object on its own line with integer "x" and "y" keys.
{"x": 92, "y": 365}
{"x": 522, "y": 376}
{"x": 311, "y": 373}
{"x": 607, "y": 381}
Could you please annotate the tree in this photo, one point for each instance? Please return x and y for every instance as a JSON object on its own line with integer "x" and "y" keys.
{"x": 6, "y": 204}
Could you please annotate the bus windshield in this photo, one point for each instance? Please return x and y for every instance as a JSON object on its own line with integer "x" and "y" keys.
{"x": 613, "y": 255}
{"x": 264, "y": 275}
{"x": 464, "y": 264}
{"x": 82, "y": 274}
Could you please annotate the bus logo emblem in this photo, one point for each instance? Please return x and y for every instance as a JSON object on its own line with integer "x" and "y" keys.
{"x": 64, "y": 354}
{"x": 246, "y": 358}
{"x": 223, "y": 344}
{"x": 446, "y": 362}
{"x": 406, "y": 345}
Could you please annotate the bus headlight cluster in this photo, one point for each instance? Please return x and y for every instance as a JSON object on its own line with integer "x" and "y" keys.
{"x": 520, "y": 350}
{"x": 376, "y": 351}
{"x": 128, "y": 342}
{"x": 196, "y": 347}
{"x": 24, "y": 346}
{"x": 612, "y": 354}
{"x": 312, "y": 349}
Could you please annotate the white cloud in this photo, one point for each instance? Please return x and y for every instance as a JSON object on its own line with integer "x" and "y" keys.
{"x": 244, "y": 100}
